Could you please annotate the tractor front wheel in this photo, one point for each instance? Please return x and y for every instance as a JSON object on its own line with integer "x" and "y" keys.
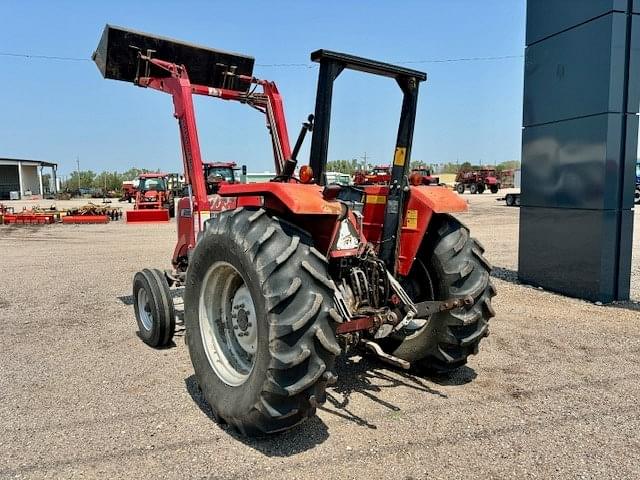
{"x": 258, "y": 317}
{"x": 473, "y": 188}
{"x": 481, "y": 188}
{"x": 450, "y": 264}
{"x": 510, "y": 200}
{"x": 153, "y": 306}
{"x": 494, "y": 188}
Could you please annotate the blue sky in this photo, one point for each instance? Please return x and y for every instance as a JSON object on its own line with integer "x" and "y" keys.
{"x": 57, "y": 110}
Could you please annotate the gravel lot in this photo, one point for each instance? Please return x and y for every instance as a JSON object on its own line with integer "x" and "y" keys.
{"x": 553, "y": 394}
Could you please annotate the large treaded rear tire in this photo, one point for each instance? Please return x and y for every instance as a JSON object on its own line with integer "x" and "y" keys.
{"x": 450, "y": 265}
{"x": 293, "y": 298}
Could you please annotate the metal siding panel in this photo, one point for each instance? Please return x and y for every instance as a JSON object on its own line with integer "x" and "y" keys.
{"x": 548, "y": 17}
{"x": 551, "y": 256}
{"x": 626, "y": 249}
{"x": 630, "y": 160}
{"x": 573, "y": 164}
{"x": 576, "y": 73}
{"x": 633, "y": 101}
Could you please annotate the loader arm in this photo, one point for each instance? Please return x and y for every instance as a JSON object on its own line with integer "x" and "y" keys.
{"x": 182, "y": 90}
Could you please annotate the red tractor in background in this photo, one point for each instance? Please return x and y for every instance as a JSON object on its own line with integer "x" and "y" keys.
{"x": 422, "y": 176}
{"x": 154, "y": 199}
{"x": 280, "y": 277}
{"x": 379, "y": 175}
{"x": 128, "y": 190}
{"x": 477, "y": 181}
{"x": 219, "y": 173}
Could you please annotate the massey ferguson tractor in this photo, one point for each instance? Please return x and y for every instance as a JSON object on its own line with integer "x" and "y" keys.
{"x": 281, "y": 277}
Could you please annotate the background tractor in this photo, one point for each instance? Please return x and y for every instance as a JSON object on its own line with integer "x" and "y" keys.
{"x": 154, "y": 199}
{"x": 280, "y": 277}
{"x": 378, "y": 175}
{"x": 219, "y": 173}
{"x": 422, "y": 176}
{"x": 477, "y": 181}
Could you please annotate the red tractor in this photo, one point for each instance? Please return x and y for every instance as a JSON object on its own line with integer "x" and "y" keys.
{"x": 128, "y": 190}
{"x": 154, "y": 199}
{"x": 281, "y": 277}
{"x": 219, "y": 173}
{"x": 477, "y": 181}
{"x": 422, "y": 176}
{"x": 379, "y": 175}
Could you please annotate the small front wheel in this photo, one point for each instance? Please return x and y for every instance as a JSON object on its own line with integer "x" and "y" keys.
{"x": 473, "y": 188}
{"x": 153, "y": 306}
{"x": 510, "y": 200}
{"x": 494, "y": 189}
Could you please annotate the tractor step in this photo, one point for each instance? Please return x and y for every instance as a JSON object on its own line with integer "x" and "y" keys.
{"x": 147, "y": 215}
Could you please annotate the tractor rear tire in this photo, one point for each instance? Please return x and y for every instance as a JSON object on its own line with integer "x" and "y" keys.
{"x": 494, "y": 188}
{"x": 274, "y": 377}
{"x": 153, "y": 305}
{"x": 473, "y": 188}
{"x": 460, "y": 188}
{"x": 450, "y": 264}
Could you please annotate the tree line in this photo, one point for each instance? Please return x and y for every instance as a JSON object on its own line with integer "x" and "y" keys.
{"x": 352, "y": 166}
{"x": 112, "y": 181}
{"x": 108, "y": 181}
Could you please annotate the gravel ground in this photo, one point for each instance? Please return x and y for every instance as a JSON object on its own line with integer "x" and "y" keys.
{"x": 553, "y": 394}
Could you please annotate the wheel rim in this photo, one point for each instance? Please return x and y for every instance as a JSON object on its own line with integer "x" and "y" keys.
{"x": 228, "y": 323}
{"x": 144, "y": 309}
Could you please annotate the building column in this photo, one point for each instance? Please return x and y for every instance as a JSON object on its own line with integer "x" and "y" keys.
{"x": 579, "y": 143}
{"x": 54, "y": 179}
{"x": 40, "y": 180}
{"x": 20, "y": 179}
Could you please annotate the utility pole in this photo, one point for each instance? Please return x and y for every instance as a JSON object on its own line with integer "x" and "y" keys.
{"x": 78, "y": 170}
{"x": 364, "y": 158}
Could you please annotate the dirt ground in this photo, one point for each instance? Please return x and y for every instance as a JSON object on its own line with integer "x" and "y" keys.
{"x": 552, "y": 394}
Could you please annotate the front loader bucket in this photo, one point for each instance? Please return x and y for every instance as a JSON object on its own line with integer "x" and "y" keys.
{"x": 117, "y": 59}
{"x": 147, "y": 215}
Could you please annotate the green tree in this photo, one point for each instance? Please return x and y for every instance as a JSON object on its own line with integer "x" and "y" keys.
{"x": 108, "y": 180}
{"x": 343, "y": 166}
{"x": 508, "y": 165}
{"x": 82, "y": 179}
{"x": 133, "y": 172}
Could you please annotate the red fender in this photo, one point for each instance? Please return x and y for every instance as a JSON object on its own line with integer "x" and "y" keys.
{"x": 423, "y": 202}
